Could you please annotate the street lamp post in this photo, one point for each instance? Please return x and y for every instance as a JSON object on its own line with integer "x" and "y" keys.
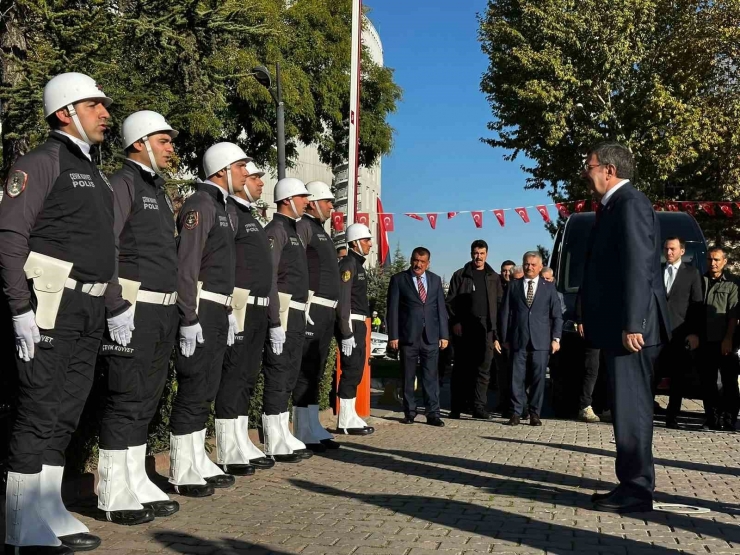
{"x": 262, "y": 74}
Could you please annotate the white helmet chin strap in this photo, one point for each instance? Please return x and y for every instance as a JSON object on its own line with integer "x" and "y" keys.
{"x": 292, "y": 205}
{"x": 323, "y": 217}
{"x": 78, "y": 125}
{"x": 228, "y": 180}
{"x": 249, "y": 195}
{"x": 149, "y": 151}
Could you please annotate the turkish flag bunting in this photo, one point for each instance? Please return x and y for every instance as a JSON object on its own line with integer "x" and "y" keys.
{"x": 688, "y": 207}
{"x": 362, "y": 218}
{"x": 432, "y": 220}
{"x": 523, "y": 213}
{"x": 562, "y": 208}
{"x": 671, "y": 206}
{"x": 500, "y": 217}
{"x": 414, "y": 216}
{"x": 737, "y": 204}
{"x": 451, "y": 215}
{"x": 542, "y": 209}
{"x": 658, "y": 207}
{"x": 337, "y": 221}
{"x": 580, "y": 205}
{"x": 387, "y": 220}
{"x": 708, "y": 207}
{"x": 478, "y": 218}
{"x": 726, "y": 208}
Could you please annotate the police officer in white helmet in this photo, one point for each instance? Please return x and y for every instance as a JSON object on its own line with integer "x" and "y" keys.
{"x": 56, "y": 228}
{"x": 137, "y": 361}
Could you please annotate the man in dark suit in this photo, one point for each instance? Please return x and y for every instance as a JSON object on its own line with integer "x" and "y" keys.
{"x": 417, "y": 323}
{"x": 531, "y": 326}
{"x": 625, "y": 315}
{"x": 683, "y": 290}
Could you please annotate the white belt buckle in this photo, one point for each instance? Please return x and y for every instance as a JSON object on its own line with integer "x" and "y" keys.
{"x": 229, "y": 300}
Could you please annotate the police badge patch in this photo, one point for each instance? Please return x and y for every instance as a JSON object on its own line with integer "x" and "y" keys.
{"x": 16, "y": 183}
{"x": 191, "y": 219}
{"x": 102, "y": 175}
{"x": 346, "y": 276}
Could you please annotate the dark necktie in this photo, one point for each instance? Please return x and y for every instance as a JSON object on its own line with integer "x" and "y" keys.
{"x": 422, "y": 291}
{"x": 530, "y": 293}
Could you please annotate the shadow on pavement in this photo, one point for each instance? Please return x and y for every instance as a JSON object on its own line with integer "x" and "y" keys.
{"x": 180, "y": 542}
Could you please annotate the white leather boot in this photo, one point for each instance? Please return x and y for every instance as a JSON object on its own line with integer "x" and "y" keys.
{"x": 114, "y": 494}
{"x": 144, "y": 489}
{"x": 184, "y": 474}
{"x": 276, "y": 444}
{"x": 52, "y": 508}
{"x": 24, "y": 526}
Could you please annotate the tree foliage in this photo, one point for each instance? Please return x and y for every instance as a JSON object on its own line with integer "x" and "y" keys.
{"x": 378, "y": 279}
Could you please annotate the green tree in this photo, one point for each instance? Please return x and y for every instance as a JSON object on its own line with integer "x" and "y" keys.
{"x": 660, "y": 76}
{"x": 378, "y": 279}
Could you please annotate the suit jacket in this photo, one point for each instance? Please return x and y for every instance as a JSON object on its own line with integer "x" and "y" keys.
{"x": 685, "y": 301}
{"x": 623, "y": 286}
{"x": 538, "y": 324}
{"x": 409, "y": 319}
{"x": 459, "y": 297}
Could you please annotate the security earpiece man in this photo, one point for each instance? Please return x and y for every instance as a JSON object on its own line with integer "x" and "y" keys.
{"x": 206, "y": 260}
{"x": 287, "y": 320}
{"x": 352, "y": 329}
{"x": 323, "y": 278}
{"x": 236, "y": 452}
{"x": 56, "y": 228}
{"x": 137, "y": 363}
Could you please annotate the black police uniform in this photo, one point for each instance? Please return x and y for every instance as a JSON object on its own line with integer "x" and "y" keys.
{"x": 323, "y": 279}
{"x": 205, "y": 249}
{"x": 147, "y": 253}
{"x": 352, "y": 301}
{"x": 253, "y": 272}
{"x": 290, "y": 275}
{"x": 57, "y": 203}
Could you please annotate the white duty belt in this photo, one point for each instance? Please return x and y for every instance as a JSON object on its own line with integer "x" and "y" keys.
{"x": 324, "y": 302}
{"x": 259, "y": 301}
{"x": 298, "y": 306}
{"x": 153, "y": 297}
{"x": 358, "y": 317}
{"x": 218, "y": 298}
{"x": 92, "y": 289}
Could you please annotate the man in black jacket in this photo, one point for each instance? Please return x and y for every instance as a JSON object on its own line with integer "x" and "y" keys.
{"x": 472, "y": 303}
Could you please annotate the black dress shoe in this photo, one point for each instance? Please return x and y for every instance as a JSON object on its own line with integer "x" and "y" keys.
{"x": 482, "y": 414}
{"x": 303, "y": 453}
{"x": 316, "y": 447}
{"x": 435, "y": 421}
{"x": 673, "y": 424}
{"x": 163, "y": 508}
{"x": 131, "y": 517}
{"x": 80, "y": 542}
{"x": 599, "y": 496}
{"x": 330, "y": 444}
{"x": 194, "y": 490}
{"x": 237, "y": 469}
{"x": 408, "y": 420}
{"x": 455, "y": 415}
{"x": 366, "y": 431}
{"x": 221, "y": 480}
{"x": 291, "y": 458}
{"x": 711, "y": 424}
{"x": 534, "y": 420}
{"x": 515, "y": 420}
{"x": 37, "y": 550}
{"x": 621, "y": 503}
{"x": 262, "y": 463}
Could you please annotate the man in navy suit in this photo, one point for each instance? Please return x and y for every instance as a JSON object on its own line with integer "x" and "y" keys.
{"x": 417, "y": 326}
{"x": 531, "y": 326}
{"x": 626, "y": 316}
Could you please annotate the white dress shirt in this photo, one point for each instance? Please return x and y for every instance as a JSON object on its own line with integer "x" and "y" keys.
{"x": 526, "y": 281}
{"x": 423, "y": 280}
{"x": 143, "y": 166}
{"x": 84, "y": 147}
{"x": 666, "y": 274}
{"x": 242, "y": 201}
{"x": 611, "y": 191}
{"x": 223, "y": 191}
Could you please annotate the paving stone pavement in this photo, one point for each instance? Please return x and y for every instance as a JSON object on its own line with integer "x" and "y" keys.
{"x": 469, "y": 488}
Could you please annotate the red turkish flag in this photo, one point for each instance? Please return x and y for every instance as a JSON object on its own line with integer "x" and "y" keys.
{"x": 726, "y": 208}
{"x": 478, "y": 218}
{"x": 737, "y": 204}
{"x": 580, "y": 205}
{"x": 414, "y": 216}
{"x": 451, "y": 215}
{"x": 523, "y": 213}
{"x": 362, "y": 218}
{"x": 708, "y": 207}
{"x": 337, "y": 221}
{"x": 563, "y": 209}
{"x": 689, "y": 207}
{"x": 432, "y": 220}
{"x": 387, "y": 221}
{"x": 499, "y": 216}
{"x": 671, "y": 206}
{"x": 542, "y": 209}
{"x": 658, "y": 207}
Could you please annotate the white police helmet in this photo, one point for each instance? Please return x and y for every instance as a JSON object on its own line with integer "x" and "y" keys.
{"x": 139, "y": 125}
{"x": 355, "y": 232}
{"x": 220, "y": 156}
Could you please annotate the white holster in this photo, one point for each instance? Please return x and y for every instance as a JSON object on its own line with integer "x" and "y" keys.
{"x": 129, "y": 291}
{"x": 239, "y": 307}
{"x": 49, "y": 276}
{"x": 308, "y": 307}
{"x": 284, "y": 309}
{"x": 197, "y": 296}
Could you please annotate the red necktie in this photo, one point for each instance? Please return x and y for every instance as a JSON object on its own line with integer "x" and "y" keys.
{"x": 422, "y": 291}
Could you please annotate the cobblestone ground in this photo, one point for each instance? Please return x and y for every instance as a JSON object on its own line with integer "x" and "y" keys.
{"x": 471, "y": 487}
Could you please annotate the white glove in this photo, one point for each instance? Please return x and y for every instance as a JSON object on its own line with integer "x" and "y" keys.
{"x": 26, "y": 334}
{"x": 277, "y": 338}
{"x": 232, "y": 330}
{"x": 348, "y": 345}
{"x": 188, "y": 336}
{"x": 121, "y": 326}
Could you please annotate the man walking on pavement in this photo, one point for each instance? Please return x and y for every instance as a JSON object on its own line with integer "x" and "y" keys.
{"x": 473, "y": 301}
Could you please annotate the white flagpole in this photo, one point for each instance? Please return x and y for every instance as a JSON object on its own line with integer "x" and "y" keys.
{"x": 354, "y": 112}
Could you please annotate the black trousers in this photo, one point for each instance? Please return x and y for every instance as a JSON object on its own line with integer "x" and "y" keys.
{"x": 281, "y": 371}
{"x": 136, "y": 376}
{"x": 242, "y": 366}
{"x": 54, "y": 385}
{"x": 630, "y": 378}
{"x": 354, "y": 365}
{"x": 427, "y": 354}
{"x": 199, "y": 375}
{"x": 726, "y": 404}
{"x": 528, "y": 367}
{"x": 472, "y": 371}
{"x": 315, "y": 353}
{"x": 673, "y": 362}
{"x": 591, "y": 363}
{"x": 503, "y": 379}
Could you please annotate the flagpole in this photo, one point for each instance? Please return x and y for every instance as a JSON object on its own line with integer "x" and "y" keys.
{"x": 354, "y": 112}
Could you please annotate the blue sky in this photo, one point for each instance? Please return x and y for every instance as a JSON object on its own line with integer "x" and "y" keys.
{"x": 438, "y": 162}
